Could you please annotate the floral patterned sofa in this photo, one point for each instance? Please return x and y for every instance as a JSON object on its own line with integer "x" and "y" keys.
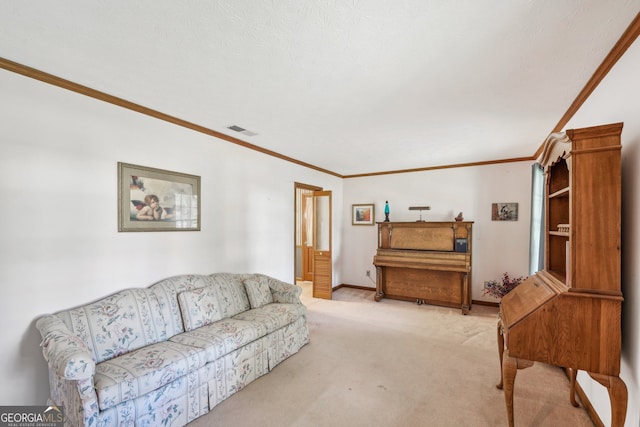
{"x": 167, "y": 354}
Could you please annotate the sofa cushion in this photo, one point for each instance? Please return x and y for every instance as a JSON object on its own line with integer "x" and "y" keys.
{"x": 274, "y": 316}
{"x": 199, "y": 307}
{"x": 232, "y": 296}
{"x": 141, "y": 371}
{"x": 117, "y": 324}
{"x": 258, "y": 291}
{"x": 282, "y": 291}
{"x": 221, "y": 337}
{"x": 167, "y": 290}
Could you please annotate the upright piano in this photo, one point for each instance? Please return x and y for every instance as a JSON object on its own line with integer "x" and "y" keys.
{"x": 426, "y": 262}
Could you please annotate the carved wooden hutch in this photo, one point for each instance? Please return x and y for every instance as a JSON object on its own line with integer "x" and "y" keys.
{"x": 569, "y": 314}
{"x": 425, "y": 262}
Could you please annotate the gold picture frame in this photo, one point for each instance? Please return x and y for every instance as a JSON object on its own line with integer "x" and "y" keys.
{"x": 151, "y": 199}
{"x": 363, "y": 214}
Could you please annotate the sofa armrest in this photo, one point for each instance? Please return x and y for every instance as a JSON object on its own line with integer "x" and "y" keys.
{"x": 66, "y": 354}
{"x": 283, "y": 292}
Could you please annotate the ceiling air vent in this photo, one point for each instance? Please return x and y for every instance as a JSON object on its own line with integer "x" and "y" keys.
{"x": 241, "y": 130}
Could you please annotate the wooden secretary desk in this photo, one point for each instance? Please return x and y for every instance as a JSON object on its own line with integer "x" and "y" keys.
{"x": 568, "y": 314}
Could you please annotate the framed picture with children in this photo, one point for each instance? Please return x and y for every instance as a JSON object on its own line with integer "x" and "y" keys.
{"x": 151, "y": 199}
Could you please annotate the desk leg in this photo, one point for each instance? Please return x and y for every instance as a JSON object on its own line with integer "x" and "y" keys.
{"x": 509, "y": 371}
{"x": 617, "y": 396}
{"x": 510, "y": 366}
{"x": 500, "y": 353}
{"x": 572, "y": 388}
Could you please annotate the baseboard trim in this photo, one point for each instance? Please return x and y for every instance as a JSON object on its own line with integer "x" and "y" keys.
{"x": 487, "y": 303}
{"x": 345, "y": 285}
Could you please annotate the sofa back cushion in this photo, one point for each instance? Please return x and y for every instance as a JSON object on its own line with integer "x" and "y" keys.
{"x": 199, "y": 307}
{"x": 227, "y": 289}
{"x": 117, "y": 324}
{"x": 230, "y": 292}
{"x": 258, "y": 291}
{"x": 167, "y": 292}
{"x": 282, "y": 292}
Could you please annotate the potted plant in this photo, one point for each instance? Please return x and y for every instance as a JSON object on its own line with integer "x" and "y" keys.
{"x": 499, "y": 288}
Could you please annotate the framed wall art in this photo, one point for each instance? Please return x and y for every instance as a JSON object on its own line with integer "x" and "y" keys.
{"x": 151, "y": 199}
{"x": 363, "y": 214}
{"x": 504, "y": 212}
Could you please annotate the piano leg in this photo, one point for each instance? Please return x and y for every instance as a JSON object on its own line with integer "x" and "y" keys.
{"x": 465, "y": 309}
{"x": 510, "y": 366}
{"x": 466, "y": 298}
{"x": 379, "y": 292}
{"x": 617, "y": 396}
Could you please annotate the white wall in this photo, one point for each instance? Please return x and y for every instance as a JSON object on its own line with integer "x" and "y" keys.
{"x": 58, "y": 189}
{"x": 498, "y": 246}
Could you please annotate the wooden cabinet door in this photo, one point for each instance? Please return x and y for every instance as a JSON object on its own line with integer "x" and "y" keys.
{"x": 307, "y": 238}
{"x": 322, "y": 271}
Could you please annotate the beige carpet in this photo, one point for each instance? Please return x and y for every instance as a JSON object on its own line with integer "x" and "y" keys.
{"x": 395, "y": 363}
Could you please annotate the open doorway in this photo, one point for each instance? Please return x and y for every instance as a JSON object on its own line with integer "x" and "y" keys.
{"x": 313, "y": 255}
{"x": 304, "y": 231}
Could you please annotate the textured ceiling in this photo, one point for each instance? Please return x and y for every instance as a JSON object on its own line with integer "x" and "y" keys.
{"x": 348, "y": 86}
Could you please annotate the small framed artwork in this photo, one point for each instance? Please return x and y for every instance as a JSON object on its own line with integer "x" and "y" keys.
{"x": 504, "y": 212}
{"x": 363, "y": 214}
{"x": 151, "y": 199}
